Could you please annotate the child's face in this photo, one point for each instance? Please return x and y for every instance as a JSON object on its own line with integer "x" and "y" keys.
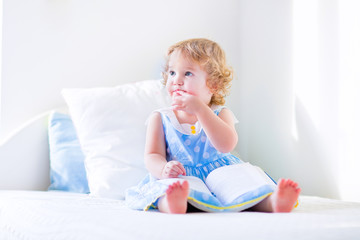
{"x": 187, "y": 76}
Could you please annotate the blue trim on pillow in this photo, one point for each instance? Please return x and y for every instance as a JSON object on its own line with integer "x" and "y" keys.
{"x": 67, "y": 169}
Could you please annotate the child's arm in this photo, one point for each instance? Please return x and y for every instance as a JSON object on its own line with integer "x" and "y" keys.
{"x": 219, "y": 129}
{"x": 155, "y": 155}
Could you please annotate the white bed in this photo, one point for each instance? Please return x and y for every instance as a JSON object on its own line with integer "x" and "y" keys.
{"x": 29, "y": 211}
{"x": 60, "y": 215}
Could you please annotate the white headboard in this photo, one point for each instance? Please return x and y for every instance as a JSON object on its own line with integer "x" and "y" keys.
{"x": 24, "y": 157}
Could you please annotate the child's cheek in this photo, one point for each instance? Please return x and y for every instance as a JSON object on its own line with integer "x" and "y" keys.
{"x": 168, "y": 89}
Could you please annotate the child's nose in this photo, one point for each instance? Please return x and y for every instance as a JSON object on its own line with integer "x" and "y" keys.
{"x": 178, "y": 80}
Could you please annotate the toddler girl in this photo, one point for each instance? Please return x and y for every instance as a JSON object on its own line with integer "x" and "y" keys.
{"x": 196, "y": 134}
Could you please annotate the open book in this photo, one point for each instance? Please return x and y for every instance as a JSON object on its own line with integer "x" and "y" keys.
{"x": 229, "y": 188}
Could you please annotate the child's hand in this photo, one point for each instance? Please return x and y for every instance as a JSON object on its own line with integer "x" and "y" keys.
{"x": 173, "y": 169}
{"x": 186, "y": 102}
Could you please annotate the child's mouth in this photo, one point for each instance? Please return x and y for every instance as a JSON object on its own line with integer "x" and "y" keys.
{"x": 178, "y": 92}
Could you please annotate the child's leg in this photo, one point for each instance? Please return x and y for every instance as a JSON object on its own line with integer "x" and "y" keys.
{"x": 175, "y": 200}
{"x": 282, "y": 200}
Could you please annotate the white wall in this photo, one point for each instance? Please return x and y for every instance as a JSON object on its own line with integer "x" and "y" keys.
{"x": 269, "y": 107}
{"x": 49, "y": 45}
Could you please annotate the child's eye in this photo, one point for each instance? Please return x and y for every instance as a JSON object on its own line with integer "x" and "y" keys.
{"x": 188, "y": 74}
{"x": 171, "y": 73}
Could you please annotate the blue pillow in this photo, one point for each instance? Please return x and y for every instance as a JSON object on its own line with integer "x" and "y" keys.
{"x": 67, "y": 169}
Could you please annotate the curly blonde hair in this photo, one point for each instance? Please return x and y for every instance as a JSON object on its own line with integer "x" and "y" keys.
{"x": 211, "y": 57}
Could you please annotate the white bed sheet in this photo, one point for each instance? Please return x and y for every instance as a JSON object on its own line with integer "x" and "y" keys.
{"x": 61, "y": 215}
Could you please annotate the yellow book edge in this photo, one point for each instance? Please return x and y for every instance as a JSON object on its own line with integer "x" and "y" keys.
{"x": 216, "y": 207}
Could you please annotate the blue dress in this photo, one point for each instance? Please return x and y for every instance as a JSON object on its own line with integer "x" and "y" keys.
{"x": 187, "y": 144}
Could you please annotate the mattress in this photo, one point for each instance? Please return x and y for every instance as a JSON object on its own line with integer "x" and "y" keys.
{"x": 62, "y": 215}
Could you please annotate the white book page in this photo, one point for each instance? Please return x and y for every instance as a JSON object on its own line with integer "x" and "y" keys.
{"x": 230, "y": 182}
{"x": 195, "y": 183}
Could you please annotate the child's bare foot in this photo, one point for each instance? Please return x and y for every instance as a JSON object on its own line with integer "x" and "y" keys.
{"x": 282, "y": 200}
{"x": 285, "y": 196}
{"x": 175, "y": 200}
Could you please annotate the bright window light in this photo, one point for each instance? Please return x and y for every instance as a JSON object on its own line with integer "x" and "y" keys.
{"x": 306, "y": 59}
{"x": 349, "y": 99}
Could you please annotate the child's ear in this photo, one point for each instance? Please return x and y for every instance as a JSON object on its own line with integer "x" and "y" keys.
{"x": 213, "y": 88}
{"x": 212, "y": 85}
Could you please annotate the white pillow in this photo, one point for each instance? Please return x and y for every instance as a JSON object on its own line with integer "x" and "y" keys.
{"x": 110, "y": 123}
